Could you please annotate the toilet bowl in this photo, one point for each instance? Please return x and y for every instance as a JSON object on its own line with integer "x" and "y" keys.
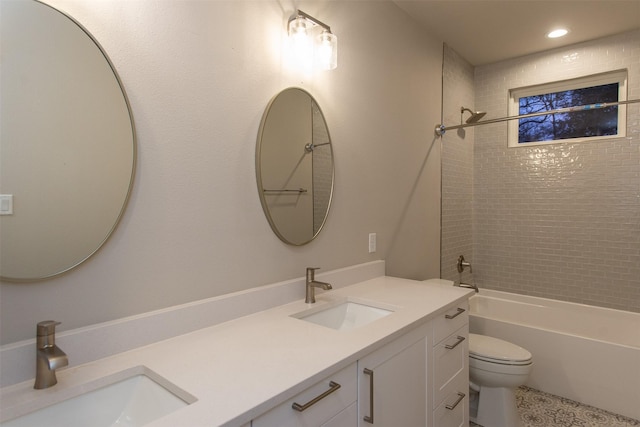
{"x": 496, "y": 369}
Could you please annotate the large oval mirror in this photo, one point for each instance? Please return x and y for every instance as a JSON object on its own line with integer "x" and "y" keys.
{"x": 294, "y": 166}
{"x": 67, "y": 154}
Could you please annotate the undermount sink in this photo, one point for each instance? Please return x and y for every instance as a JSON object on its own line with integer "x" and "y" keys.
{"x": 344, "y": 315}
{"x": 139, "y": 398}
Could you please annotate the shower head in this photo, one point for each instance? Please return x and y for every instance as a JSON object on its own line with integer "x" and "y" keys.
{"x": 475, "y": 115}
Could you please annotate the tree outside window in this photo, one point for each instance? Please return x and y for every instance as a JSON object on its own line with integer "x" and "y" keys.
{"x": 579, "y": 124}
{"x": 575, "y": 126}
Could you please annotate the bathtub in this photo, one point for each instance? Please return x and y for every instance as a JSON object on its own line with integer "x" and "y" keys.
{"x": 584, "y": 353}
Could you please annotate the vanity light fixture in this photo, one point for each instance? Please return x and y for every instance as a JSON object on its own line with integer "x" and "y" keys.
{"x": 324, "y": 49}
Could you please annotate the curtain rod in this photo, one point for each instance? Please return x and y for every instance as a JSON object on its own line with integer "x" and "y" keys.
{"x": 441, "y": 129}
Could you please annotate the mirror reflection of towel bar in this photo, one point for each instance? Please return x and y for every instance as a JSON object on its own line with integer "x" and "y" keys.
{"x": 299, "y": 190}
{"x": 311, "y": 146}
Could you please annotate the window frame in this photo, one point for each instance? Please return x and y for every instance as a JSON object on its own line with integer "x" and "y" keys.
{"x": 618, "y": 76}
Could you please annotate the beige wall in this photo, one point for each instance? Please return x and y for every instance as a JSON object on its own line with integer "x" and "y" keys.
{"x": 199, "y": 75}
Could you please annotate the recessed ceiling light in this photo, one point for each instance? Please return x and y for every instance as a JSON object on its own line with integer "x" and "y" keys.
{"x": 557, "y": 33}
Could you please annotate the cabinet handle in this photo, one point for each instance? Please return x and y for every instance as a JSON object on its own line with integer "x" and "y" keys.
{"x": 453, "y": 406}
{"x": 369, "y": 419}
{"x": 451, "y": 316}
{"x": 333, "y": 386}
{"x": 450, "y": 346}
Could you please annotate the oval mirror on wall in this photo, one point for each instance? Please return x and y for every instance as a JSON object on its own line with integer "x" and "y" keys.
{"x": 294, "y": 166}
{"x": 67, "y": 143}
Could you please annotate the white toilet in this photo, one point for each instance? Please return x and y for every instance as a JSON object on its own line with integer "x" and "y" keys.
{"x": 496, "y": 369}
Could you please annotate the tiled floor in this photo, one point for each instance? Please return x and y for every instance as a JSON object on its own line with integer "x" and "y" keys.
{"x": 537, "y": 408}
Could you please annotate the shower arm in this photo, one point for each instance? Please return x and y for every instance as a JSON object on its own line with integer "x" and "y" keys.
{"x": 441, "y": 129}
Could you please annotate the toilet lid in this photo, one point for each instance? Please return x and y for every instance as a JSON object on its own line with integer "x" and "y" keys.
{"x": 496, "y": 350}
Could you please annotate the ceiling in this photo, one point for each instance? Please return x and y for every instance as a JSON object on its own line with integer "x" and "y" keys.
{"x": 487, "y": 31}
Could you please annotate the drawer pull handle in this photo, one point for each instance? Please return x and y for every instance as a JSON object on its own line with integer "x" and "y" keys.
{"x": 453, "y": 406}
{"x": 451, "y": 316}
{"x": 369, "y": 419}
{"x": 333, "y": 386}
{"x": 451, "y": 346}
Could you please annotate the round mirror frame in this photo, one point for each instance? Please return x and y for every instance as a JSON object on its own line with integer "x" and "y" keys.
{"x": 123, "y": 196}
{"x": 302, "y": 148}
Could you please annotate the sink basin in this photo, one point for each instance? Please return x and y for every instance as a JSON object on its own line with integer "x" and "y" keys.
{"x": 135, "y": 400}
{"x": 345, "y": 315}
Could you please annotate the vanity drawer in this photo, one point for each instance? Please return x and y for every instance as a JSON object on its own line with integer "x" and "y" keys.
{"x": 335, "y": 400}
{"x": 452, "y": 412}
{"x": 451, "y": 374}
{"x": 449, "y": 321}
{"x": 346, "y": 418}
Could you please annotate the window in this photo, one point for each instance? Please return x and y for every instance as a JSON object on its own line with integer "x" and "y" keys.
{"x": 582, "y": 125}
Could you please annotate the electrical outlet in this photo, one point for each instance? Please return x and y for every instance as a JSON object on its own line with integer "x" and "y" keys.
{"x": 372, "y": 242}
{"x": 6, "y": 204}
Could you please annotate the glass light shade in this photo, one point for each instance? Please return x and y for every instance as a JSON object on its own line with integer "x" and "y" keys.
{"x": 299, "y": 26}
{"x": 327, "y": 50}
{"x": 301, "y": 41}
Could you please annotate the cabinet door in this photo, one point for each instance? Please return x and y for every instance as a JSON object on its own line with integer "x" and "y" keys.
{"x": 392, "y": 386}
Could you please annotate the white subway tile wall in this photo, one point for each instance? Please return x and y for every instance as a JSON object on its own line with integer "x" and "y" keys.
{"x": 558, "y": 221}
{"x": 457, "y": 167}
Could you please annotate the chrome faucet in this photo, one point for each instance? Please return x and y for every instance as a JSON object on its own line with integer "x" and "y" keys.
{"x": 48, "y": 357}
{"x": 462, "y": 264}
{"x": 312, "y": 284}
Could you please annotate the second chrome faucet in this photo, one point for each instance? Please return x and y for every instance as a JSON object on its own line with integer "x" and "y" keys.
{"x": 312, "y": 284}
{"x": 48, "y": 356}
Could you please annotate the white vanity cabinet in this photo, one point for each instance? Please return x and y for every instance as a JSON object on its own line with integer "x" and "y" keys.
{"x": 420, "y": 379}
{"x": 392, "y": 383}
{"x": 449, "y": 368}
{"x": 328, "y": 403}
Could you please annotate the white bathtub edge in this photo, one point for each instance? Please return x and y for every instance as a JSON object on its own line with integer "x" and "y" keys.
{"x": 597, "y": 373}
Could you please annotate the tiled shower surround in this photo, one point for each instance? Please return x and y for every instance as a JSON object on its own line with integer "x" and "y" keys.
{"x": 558, "y": 221}
{"x": 457, "y": 167}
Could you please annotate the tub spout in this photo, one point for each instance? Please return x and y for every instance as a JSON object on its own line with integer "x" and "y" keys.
{"x": 467, "y": 285}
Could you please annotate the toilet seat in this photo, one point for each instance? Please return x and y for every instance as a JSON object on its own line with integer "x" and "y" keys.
{"x": 494, "y": 350}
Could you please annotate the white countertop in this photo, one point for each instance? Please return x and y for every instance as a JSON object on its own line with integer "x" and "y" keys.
{"x": 239, "y": 369}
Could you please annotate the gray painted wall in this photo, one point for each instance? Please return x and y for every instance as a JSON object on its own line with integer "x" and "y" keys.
{"x": 199, "y": 75}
